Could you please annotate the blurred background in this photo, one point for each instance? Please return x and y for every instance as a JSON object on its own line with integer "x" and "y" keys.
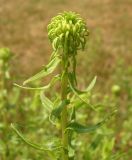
{"x": 23, "y": 29}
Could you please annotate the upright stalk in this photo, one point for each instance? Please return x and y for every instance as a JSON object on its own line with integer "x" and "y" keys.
{"x": 64, "y": 116}
{"x": 4, "y": 58}
{"x": 67, "y": 32}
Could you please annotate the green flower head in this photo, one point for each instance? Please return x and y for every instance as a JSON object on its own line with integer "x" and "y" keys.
{"x": 68, "y": 29}
{"x": 5, "y": 54}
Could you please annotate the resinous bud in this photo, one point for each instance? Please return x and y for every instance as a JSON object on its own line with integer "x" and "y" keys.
{"x": 72, "y": 27}
{"x": 116, "y": 89}
{"x": 5, "y": 54}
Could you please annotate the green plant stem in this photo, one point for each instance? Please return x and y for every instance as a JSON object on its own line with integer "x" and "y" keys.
{"x": 64, "y": 116}
{"x": 4, "y": 111}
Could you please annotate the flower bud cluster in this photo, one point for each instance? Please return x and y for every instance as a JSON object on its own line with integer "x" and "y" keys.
{"x": 5, "y": 54}
{"x": 68, "y": 29}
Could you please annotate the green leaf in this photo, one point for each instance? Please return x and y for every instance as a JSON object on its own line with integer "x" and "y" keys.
{"x": 82, "y": 129}
{"x": 36, "y": 146}
{"x": 96, "y": 141}
{"x": 79, "y": 128}
{"x": 83, "y": 98}
{"x": 82, "y": 95}
{"x": 71, "y": 78}
{"x": 57, "y": 111}
{"x": 46, "y": 71}
{"x": 53, "y": 81}
{"x": 32, "y": 88}
{"x": 73, "y": 114}
{"x": 48, "y": 105}
{"x": 89, "y": 88}
{"x": 91, "y": 85}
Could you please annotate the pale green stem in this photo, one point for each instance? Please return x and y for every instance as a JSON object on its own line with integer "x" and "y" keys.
{"x": 64, "y": 116}
{"x": 4, "y": 111}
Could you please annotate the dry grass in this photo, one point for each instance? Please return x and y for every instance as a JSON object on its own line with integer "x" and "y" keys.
{"x": 23, "y": 29}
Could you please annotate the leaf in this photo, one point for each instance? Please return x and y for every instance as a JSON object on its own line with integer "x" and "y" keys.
{"x": 53, "y": 81}
{"x": 46, "y": 102}
{"x": 36, "y": 146}
{"x": 49, "y": 68}
{"x": 79, "y": 128}
{"x": 82, "y": 129}
{"x": 96, "y": 141}
{"x": 71, "y": 78}
{"x": 82, "y": 98}
{"x": 32, "y": 88}
{"x": 82, "y": 95}
{"x": 57, "y": 111}
{"x": 73, "y": 114}
{"x": 91, "y": 85}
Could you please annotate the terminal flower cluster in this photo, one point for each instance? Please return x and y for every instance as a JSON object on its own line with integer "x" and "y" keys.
{"x": 68, "y": 29}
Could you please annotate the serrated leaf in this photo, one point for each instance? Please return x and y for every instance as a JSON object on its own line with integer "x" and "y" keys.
{"x": 36, "y": 146}
{"x": 79, "y": 128}
{"x": 46, "y": 71}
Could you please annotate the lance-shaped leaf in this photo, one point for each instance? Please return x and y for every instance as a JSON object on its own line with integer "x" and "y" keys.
{"x": 89, "y": 88}
{"x": 57, "y": 111}
{"x": 46, "y": 102}
{"x": 91, "y": 85}
{"x": 48, "y": 105}
{"x": 34, "y": 145}
{"x": 82, "y": 95}
{"x": 73, "y": 114}
{"x": 49, "y": 68}
{"x": 79, "y": 128}
{"x": 52, "y": 82}
{"x": 32, "y": 88}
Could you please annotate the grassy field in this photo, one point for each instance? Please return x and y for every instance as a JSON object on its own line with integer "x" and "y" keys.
{"x": 23, "y": 26}
{"x": 23, "y": 29}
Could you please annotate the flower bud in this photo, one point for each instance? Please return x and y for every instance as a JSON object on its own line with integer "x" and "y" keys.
{"x": 5, "y": 54}
{"x": 72, "y": 27}
{"x": 116, "y": 89}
